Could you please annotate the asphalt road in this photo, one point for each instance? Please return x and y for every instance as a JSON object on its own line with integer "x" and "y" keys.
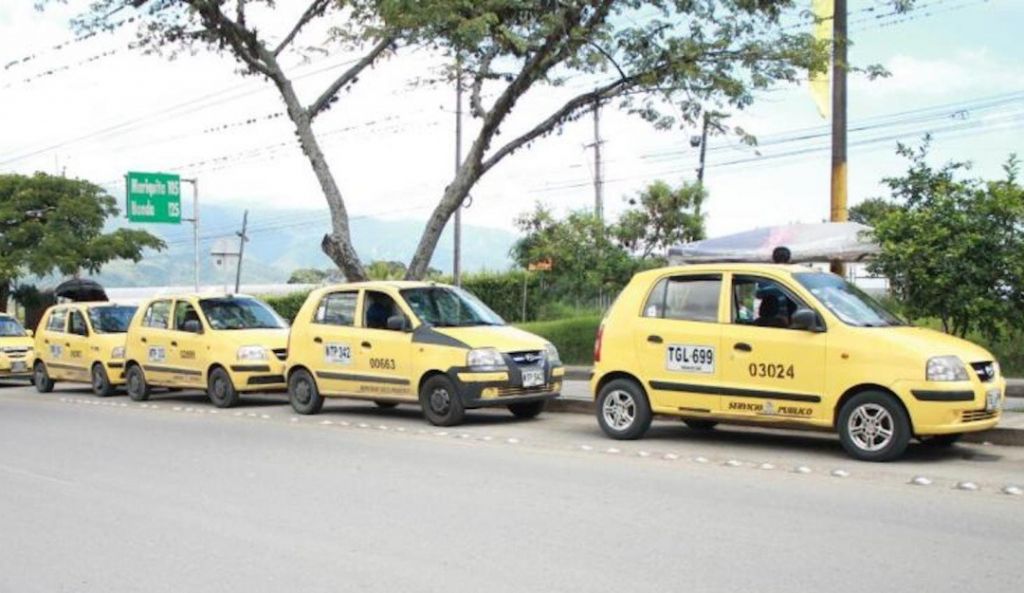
{"x": 173, "y": 495}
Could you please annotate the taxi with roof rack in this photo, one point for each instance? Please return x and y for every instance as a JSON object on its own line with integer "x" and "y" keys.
{"x": 16, "y": 349}
{"x": 788, "y": 346}
{"x": 224, "y": 344}
{"x": 416, "y": 342}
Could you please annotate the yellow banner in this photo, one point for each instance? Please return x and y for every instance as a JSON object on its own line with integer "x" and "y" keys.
{"x": 821, "y": 82}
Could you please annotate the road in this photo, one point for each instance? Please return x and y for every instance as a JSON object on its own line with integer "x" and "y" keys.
{"x": 173, "y": 495}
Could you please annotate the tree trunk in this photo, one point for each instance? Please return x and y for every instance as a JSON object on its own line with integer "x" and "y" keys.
{"x": 5, "y": 294}
{"x": 453, "y": 197}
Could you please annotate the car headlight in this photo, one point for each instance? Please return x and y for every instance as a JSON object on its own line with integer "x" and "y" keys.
{"x": 945, "y": 368}
{"x": 485, "y": 359}
{"x": 552, "y": 354}
{"x": 252, "y": 353}
{"x": 117, "y": 352}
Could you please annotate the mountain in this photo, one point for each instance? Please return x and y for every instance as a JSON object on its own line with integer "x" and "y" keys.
{"x": 286, "y": 239}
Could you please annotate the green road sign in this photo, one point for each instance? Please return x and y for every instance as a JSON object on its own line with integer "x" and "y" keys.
{"x": 153, "y": 197}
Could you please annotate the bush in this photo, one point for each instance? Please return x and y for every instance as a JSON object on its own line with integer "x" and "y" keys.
{"x": 574, "y": 337}
{"x": 287, "y": 305}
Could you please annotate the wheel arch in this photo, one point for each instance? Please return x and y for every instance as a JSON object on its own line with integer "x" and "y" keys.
{"x": 615, "y": 375}
{"x": 426, "y": 376}
{"x": 865, "y": 387}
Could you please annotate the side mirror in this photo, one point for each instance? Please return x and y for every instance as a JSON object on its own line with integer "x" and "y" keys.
{"x": 192, "y": 326}
{"x": 398, "y": 323}
{"x": 805, "y": 319}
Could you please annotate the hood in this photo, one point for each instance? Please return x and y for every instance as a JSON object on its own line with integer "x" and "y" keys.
{"x": 503, "y": 337}
{"x": 268, "y": 338}
{"x": 16, "y": 342}
{"x": 928, "y": 343}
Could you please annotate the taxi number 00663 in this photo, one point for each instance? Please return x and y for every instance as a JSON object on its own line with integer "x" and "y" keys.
{"x": 690, "y": 359}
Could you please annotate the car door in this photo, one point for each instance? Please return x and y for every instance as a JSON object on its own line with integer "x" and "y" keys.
{"x": 186, "y": 353}
{"x": 677, "y": 337}
{"x": 154, "y": 333}
{"x": 383, "y": 360}
{"x": 331, "y": 340}
{"x": 76, "y": 343}
{"x": 53, "y": 353}
{"x": 770, "y": 369}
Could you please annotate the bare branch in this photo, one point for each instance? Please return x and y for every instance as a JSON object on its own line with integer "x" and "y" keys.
{"x": 314, "y": 10}
{"x": 609, "y": 57}
{"x": 349, "y": 75}
{"x": 476, "y": 104}
{"x": 243, "y": 41}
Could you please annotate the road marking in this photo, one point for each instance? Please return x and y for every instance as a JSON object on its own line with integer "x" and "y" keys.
{"x": 1013, "y": 490}
{"x": 733, "y": 463}
{"x": 801, "y": 469}
{"x": 968, "y": 486}
{"x": 612, "y": 450}
{"x": 766, "y": 466}
{"x": 700, "y": 459}
{"x": 920, "y": 481}
{"x": 30, "y": 474}
{"x": 840, "y": 473}
{"x": 670, "y": 457}
{"x": 512, "y": 441}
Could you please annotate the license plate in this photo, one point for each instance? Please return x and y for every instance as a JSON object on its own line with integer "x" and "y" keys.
{"x": 533, "y": 378}
{"x": 18, "y": 367}
{"x": 992, "y": 400}
{"x": 688, "y": 358}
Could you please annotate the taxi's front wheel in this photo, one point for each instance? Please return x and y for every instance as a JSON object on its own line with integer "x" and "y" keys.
{"x": 441, "y": 403}
{"x": 100, "y": 382}
{"x": 136, "y": 386}
{"x": 622, "y": 410}
{"x": 873, "y": 427}
{"x": 41, "y": 379}
{"x": 303, "y": 393}
{"x": 221, "y": 390}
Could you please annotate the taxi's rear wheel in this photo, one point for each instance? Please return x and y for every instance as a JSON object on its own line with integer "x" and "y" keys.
{"x": 441, "y": 403}
{"x": 100, "y": 382}
{"x": 303, "y": 393}
{"x": 527, "y": 410}
{"x": 41, "y": 379}
{"x": 873, "y": 427}
{"x": 622, "y": 410}
{"x": 135, "y": 381}
{"x": 221, "y": 390}
{"x": 700, "y": 424}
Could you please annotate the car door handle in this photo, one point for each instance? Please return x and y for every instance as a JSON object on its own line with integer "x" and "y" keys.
{"x": 655, "y": 339}
{"x": 175, "y": 344}
{"x": 367, "y": 345}
{"x": 68, "y": 344}
{"x": 318, "y": 340}
{"x": 144, "y": 340}
{"x": 743, "y": 347}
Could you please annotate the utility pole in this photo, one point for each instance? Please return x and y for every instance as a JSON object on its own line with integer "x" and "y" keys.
{"x": 598, "y": 180}
{"x": 457, "y": 258}
{"x": 703, "y": 152}
{"x": 839, "y": 63}
{"x": 242, "y": 239}
{"x": 195, "y": 228}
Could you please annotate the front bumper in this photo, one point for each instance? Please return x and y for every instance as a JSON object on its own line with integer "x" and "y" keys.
{"x": 22, "y": 364}
{"x": 501, "y": 388}
{"x": 951, "y": 407}
{"x": 259, "y": 376}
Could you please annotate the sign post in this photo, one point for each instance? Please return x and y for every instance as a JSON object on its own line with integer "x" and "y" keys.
{"x": 155, "y": 198}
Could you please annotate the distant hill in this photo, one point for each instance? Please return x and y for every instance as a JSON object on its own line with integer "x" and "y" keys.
{"x": 284, "y": 240}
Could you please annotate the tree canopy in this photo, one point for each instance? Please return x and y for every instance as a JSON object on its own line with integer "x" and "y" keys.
{"x": 661, "y": 217}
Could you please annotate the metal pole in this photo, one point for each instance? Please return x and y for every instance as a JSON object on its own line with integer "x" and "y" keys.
{"x": 195, "y": 228}
{"x": 242, "y": 238}
{"x": 839, "y": 186}
{"x": 525, "y": 275}
{"x": 703, "y": 151}
{"x": 457, "y": 257}
{"x": 598, "y": 182}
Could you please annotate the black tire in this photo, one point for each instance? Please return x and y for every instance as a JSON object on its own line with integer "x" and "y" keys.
{"x": 100, "y": 381}
{"x": 385, "y": 405}
{"x": 940, "y": 441}
{"x": 135, "y": 384}
{"x": 221, "y": 390}
{"x": 629, "y": 413}
{"x": 41, "y": 379}
{"x": 527, "y": 410}
{"x": 863, "y": 421}
{"x": 442, "y": 405}
{"x": 700, "y": 423}
{"x": 303, "y": 393}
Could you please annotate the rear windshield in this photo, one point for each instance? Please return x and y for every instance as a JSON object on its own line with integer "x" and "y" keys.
{"x": 111, "y": 319}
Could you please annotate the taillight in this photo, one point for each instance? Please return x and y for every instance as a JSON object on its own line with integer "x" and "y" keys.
{"x": 597, "y": 343}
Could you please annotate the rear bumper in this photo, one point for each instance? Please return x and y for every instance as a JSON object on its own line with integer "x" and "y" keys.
{"x": 479, "y": 390}
{"x": 954, "y": 407}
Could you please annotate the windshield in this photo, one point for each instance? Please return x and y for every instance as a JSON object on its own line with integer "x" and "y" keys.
{"x": 240, "y": 313}
{"x": 847, "y": 302}
{"x": 10, "y": 328}
{"x": 445, "y": 306}
{"x": 112, "y": 319}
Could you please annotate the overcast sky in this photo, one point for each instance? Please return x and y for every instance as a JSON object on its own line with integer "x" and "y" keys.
{"x": 957, "y": 69}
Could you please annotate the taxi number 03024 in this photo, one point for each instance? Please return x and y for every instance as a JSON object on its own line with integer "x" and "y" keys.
{"x": 771, "y": 370}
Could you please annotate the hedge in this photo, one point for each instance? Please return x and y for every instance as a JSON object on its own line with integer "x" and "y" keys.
{"x": 287, "y": 305}
{"x": 574, "y": 337}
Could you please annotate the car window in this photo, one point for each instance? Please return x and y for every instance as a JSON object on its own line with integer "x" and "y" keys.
{"x": 377, "y": 308}
{"x": 184, "y": 312}
{"x": 762, "y": 302}
{"x": 686, "y": 298}
{"x": 157, "y": 315}
{"x": 76, "y": 324}
{"x": 57, "y": 320}
{"x": 338, "y": 308}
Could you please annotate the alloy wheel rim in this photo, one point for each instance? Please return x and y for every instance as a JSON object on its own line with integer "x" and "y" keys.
{"x": 440, "y": 400}
{"x": 871, "y": 427}
{"x": 97, "y": 380}
{"x": 619, "y": 410}
{"x": 302, "y": 392}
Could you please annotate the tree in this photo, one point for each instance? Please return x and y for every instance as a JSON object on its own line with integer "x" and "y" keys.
{"x": 953, "y": 248}
{"x": 872, "y": 210}
{"x": 308, "y": 276}
{"x": 664, "y": 217}
{"x": 725, "y": 51}
{"x": 52, "y": 223}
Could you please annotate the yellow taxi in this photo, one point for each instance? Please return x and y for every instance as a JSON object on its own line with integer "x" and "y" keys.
{"x": 416, "y": 342}
{"x": 16, "y": 349}
{"x": 785, "y": 345}
{"x": 225, "y": 344}
{"x": 82, "y": 343}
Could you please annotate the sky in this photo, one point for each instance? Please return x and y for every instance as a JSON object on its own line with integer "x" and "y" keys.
{"x": 957, "y": 70}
